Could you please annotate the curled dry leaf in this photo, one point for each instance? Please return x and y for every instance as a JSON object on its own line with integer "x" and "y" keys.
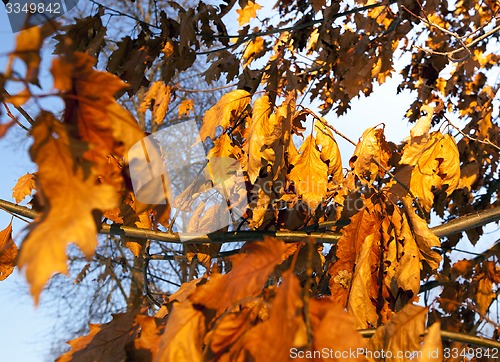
{"x": 24, "y": 186}
{"x": 8, "y": 252}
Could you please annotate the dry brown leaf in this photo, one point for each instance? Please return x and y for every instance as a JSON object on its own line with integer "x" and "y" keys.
{"x": 105, "y": 342}
{"x": 69, "y": 199}
{"x": 248, "y": 12}
{"x": 402, "y": 333}
{"x": 183, "y": 336}
{"x": 484, "y": 295}
{"x": 247, "y": 277}
{"x": 310, "y": 174}
{"x": 230, "y": 105}
{"x": 24, "y": 186}
{"x": 8, "y": 252}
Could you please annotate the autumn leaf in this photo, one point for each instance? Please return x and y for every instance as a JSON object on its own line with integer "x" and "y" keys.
{"x": 247, "y": 277}
{"x": 8, "y": 252}
{"x": 254, "y": 49}
{"x": 248, "y": 12}
{"x": 324, "y": 314}
{"x": 183, "y": 336}
{"x": 229, "y": 328}
{"x": 309, "y": 174}
{"x": 330, "y": 153}
{"x": 432, "y": 347}
{"x": 285, "y": 329}
{"x": 409, "y": 266}
{"x": 105, "y": 342}
{"x": 435, "y": 162}
{"x": 186, "y": 107}
{"x": 484, "y": 294}
{"x": 157, "y": 99}
{"x": 359, "y": 303}
{"x": 4, "y": 127}
{"x": 402, "y": 333}
{"x": 24, "y": 186}
{"x": 371, "y": 155}
{"x": 69, "y": 202}
{"x": 230, "y": 105}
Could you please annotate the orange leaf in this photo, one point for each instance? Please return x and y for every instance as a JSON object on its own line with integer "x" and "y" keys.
{"x": 8, "y": 252}
{"x": 186, "y": 107}
{"x": 183, "y": 337}
{"x": 247, "y": 277}
{"x": 330, "y": 153}
{"x": 158, "y": 98}
{"x": 24, "y": 186}
{"x": 69, "y": 200}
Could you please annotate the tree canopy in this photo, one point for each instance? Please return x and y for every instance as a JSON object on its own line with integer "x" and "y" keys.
{"x": 248, "y": 239}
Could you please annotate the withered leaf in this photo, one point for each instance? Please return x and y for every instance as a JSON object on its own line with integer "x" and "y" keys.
{"x": 8, "y": 252}
{"x": 24, "y": 186}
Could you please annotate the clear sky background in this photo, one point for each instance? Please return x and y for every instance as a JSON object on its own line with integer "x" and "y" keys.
{"x": 24, "y": 335}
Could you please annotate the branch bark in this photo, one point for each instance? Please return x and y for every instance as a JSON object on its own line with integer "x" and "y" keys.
{"x": 450, "y": 228}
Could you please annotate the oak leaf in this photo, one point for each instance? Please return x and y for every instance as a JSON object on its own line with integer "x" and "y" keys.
{"x": 230, "y": 105}
{"x": 157, "y": 99}
{"x": 69, "y": 202}
{"x": 24, "y": 186}
{"x": 310, "y": 174}
{"x": 8, "y": 252}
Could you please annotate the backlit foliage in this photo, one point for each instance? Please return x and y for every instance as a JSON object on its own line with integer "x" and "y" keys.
{"x": 324, "y": 251}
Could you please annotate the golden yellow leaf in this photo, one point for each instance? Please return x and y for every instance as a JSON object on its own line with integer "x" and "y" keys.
{"x": 359, "y": 304}
{"x": 230, "y": 105}
{"x": 184, "y": 333}
{"x": 310, "y": 174}
{"x": 248, "y": 12}
{"x": 436, "y": 163}
{"x": 186, "y": 107}
{"x": 330, "y": 153}
{"x": 370, "y": 152}
{"x": 423, "y": 125}
{"x": 409, "y": 266}
{"x": 69, "y": 201}
{"x": 402, "y": 333}
{"x": 254, "y": 50}
{"x": 24, "y": 186}
{"x": 8, "y": 252}
{"x": 432, "y": 348}
{"x": 247, "y": 277}
{"x": 157, "y": 99}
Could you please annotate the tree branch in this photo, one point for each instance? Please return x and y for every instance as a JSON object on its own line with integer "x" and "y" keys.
{"x": 450, "y": 228}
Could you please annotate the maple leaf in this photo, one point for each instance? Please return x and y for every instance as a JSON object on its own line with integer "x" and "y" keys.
{"x": 24, "y": 186}
{"x": 158, "y": 98}
{"x": 69, "y": 200}
{"x": 246, "y": 278}
{"x": 248, "y": 12}
{"x": 8, "y": 252}
{"x": 230, "y": 105}
{"x": 370, "y": 152}
{"x": 402, "y": 333}
{"x": 310, "y": 174}
{"x": 186, "y": 107}
{"x": 285, "y": 328}
{"x": 105, "y": 342}
{"x": 183, "y": 336}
